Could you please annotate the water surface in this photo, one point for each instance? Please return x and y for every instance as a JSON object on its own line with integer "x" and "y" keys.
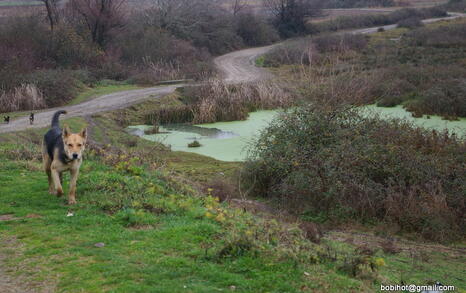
{"x": 225, "y": 141}
{"x": 228, "y": 141}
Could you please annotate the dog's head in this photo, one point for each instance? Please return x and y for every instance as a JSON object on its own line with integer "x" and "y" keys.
{"x": 74, "y": 143}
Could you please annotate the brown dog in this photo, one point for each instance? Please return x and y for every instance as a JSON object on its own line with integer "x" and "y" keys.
{"x": 62, "y": 151}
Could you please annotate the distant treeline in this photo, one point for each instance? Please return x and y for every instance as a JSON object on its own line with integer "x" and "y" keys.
{"x": 358, "y": 3}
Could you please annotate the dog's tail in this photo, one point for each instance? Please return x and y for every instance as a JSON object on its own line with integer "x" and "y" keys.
{"x": 55, "y": 119}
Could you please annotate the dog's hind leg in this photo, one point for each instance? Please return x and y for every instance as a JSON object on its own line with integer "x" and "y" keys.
{"x": 73, "y": 180}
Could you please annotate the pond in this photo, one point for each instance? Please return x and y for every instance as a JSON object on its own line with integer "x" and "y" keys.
{"x": 228, "y": 141}
{"x": 225, "y": 141}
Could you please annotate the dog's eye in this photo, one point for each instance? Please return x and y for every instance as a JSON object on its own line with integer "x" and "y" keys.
{"x": 80, "y": 145}
{"x": 70, "y": 145}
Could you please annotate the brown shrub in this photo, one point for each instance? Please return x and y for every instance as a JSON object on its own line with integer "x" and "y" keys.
{"x": 389, "y": 246}
{"x": 25, "y": 97}
{"x": 340, "y": 166}
{"x": 217, "y": 101}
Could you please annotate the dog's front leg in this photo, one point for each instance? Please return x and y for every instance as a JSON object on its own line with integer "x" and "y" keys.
{"x": 74, "y": 178}
{"x": 56, "y": 182}
{"x": 51, "y": 184}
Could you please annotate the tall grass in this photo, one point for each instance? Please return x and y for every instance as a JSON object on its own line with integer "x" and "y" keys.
{"x": 24, "y": 97}
{"x": 217, "y": 101}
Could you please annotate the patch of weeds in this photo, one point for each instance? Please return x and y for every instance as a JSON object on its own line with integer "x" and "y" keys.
{"x": 194, "y": 144}
{"x": 260, "y": 61}
{"x": 135, "y": 218}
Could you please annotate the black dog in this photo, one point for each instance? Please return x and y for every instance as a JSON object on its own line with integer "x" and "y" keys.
{"x": 31, "y": 118}
{"x": 6, "y": 119}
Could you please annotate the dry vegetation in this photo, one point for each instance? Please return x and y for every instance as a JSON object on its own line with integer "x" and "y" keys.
{"x": 68, "y": 46}
{"x": 216, "y": 101}
{"x": 327, "y": 162}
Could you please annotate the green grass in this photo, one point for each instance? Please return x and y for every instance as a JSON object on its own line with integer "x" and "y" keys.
{"x": 159, "y": 251}
{"x": 159, "y": 240}
{"x": 100, "y": 90}
{"x": 161, "y": 233}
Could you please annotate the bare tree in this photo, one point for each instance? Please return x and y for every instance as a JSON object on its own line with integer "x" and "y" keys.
{"x": 53, "y": 15}
{"x": 290, "y": 16}
{"x": 100, "y": 16}
{"x": 238, "y": 6}
{"x": 178, "y": 15}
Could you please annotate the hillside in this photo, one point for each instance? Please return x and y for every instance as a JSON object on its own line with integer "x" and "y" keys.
{"x": 160, "y": 234}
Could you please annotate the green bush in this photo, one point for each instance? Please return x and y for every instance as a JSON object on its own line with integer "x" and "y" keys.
{"x": 346, "y": 166}
{"x": 410, "y": 23}
{"x": 446, "y": 98}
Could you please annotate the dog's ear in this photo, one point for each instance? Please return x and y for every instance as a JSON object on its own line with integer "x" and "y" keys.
{"x": 66, "y": 131}
{"x": 83, "y": 133}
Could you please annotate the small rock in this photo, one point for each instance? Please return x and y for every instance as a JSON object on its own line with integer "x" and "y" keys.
{"x": 307, "y": 274}
{"x": 70, "y": 214}
{"x": 232, "y": 288}
{"x": 99, "y": 245}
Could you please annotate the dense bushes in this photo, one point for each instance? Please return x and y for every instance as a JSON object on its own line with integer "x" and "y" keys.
{"x": 298, "y": 51}
{"x": 58, "y": 86}
{"x": 443, "y": 36}
{"x": 255, "y": 31}
{"x": 340, "y": 43}
{"x": 308, "y": 50}
{"x": 372, "y": 20}
{"x": 174, "y": 39}
{"x": 411, "y": 22}
{"x": 429, "y": 90}
{"x": 455, "y": 5}
{"x": 208, "y": 25}
{"x": 338, "y": 165}
{"x": 359, "y": 3}
{"x": 446, "y": 97}
{"x": 413, "y": 70}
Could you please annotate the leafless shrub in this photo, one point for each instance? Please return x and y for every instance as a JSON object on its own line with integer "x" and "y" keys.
{"x": 24, "y": 97}
{"x": 340, "y": 43}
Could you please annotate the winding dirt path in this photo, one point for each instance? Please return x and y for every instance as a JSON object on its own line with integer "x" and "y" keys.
{"x": 235, "y": 67}
{"x": 239, "y": 66}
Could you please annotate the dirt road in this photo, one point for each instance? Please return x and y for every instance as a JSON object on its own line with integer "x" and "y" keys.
{"x": 101, "y": 104}
{"x": 235, "y": 67}
{"x": 239, "y": 66}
